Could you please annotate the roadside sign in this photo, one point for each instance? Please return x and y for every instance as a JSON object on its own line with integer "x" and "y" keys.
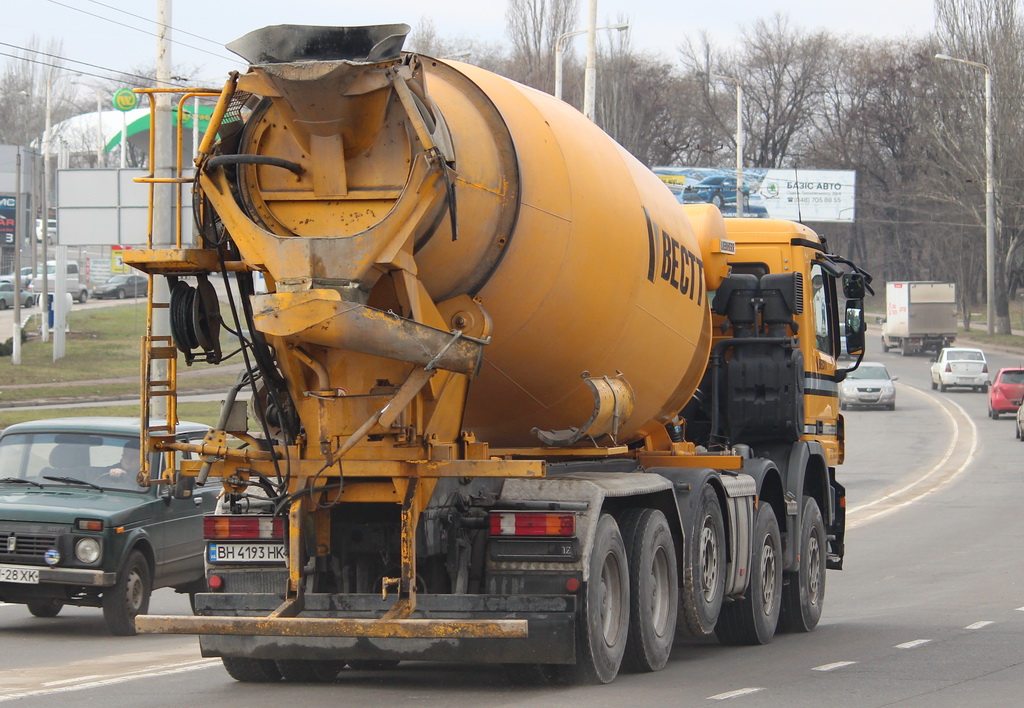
{"x": 125, "y": 99}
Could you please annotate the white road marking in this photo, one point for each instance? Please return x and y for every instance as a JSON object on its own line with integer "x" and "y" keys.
{"x": 913, "y": 645}
{"x": 85, "y": 682}
{"x": 1020, "y": 609}
{"x": 944, "y": 405}
{"x": 734, "y": 694}
{"x": 979, "y": 625}
{"x": 833, "y": 666}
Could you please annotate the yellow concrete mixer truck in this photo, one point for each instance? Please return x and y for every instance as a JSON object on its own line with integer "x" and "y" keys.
{"x": 504, "y": 400}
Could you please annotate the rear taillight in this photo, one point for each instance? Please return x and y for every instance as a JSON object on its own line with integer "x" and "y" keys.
{"x": 984, "y": 368}
{"x": 243, "y": 527}
{"x": 518, "y": 523}
{"x": 949, "y": 369}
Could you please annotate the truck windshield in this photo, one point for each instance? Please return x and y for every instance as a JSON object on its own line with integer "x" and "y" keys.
{"x": 88, "y": 458}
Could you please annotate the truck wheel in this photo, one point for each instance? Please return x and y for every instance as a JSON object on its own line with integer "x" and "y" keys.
{"x": 653, "y": 589}
{"x": 885, "y": 347}
{"x": 309, "y": 670}
{"x": 128, "y": 597}
{"x": 602, "y": 624}
{"x": 251, "y": 670}
{"x": 753, "y": 619}
{"x": 704, "y": 574}
{"x": 804, "y": 595}
{"x": 46, "y": 608}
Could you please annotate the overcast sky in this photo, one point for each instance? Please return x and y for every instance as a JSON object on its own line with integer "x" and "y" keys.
{"x": 115, "y": 34}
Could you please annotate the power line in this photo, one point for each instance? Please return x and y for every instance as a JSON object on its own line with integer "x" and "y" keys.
{"x": 146, "y": 19}
{"x": 137, "y": 29}
{"x": 58, "y": 66}
{"x": 73, "y": 61}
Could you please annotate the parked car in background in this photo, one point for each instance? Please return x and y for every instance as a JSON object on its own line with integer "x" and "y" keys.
{"x": 960, "y": 367}
{"x": 28, "y": 298}
{"x": 79, "y": 530}
{"x": 74, "y": 281}
{"x": 1006, "y": 392}
{"x": 122, "y": 286}
{"x": 868, "y": 385}
{"x": 26, "y": 277}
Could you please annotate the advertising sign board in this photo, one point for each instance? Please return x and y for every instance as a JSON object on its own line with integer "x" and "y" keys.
{"x": 793, "y": 194}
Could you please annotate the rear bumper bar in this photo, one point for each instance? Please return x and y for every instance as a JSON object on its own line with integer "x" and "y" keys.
{"x": 464, "y": 628}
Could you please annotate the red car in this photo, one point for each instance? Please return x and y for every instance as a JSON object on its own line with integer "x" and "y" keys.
{"x": 1006, "y": 392}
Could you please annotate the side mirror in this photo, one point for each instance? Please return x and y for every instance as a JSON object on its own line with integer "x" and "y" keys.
{"x": 183, "y": 486}
{"x": 854, "y": 287}
{"x": 895, "y": 378}
{"x": 855, "y": 326}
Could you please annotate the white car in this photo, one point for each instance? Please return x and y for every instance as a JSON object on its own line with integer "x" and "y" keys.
{"x": 868, "y": 385}
{"x": 960, "y": 366}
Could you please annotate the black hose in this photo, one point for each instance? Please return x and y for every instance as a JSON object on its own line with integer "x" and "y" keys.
{"x": 224, "y": 160}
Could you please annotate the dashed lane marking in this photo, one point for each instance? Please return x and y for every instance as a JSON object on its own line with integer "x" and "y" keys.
{"x": 913, "y": 645}
{"x": 833, "y": 666}
{"x": 734, "y": 694}
{"x": 979, "y": 625}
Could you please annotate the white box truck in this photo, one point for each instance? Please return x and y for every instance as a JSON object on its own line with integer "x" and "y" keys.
{"x": 919, "y": 316}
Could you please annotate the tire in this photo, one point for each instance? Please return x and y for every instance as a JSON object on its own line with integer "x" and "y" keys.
{"x": 128, "y": 597}
{"x": 934, "y": 385}
{"x": 885, "y": 347}
{"x": 942, "y": 387}
{"x": 903, "y": 351}
{"x": 653, "y": 589}
{"x": 251, "y": 670}
{"x": 120, "y": 294}
{"x": 83, "y": 296}
{"x": 891, "y": 407}
{"x": 843, "y": 406}
{"x": 704, "y": 569}
{"x": 803, "y": 597}
{"x": 603, "y": 615}
{"x": 753, "y": 619}
{"x": 309, "y": 670}
{"x": 3, "y": 304}
{"x": 45, "y": 608}
{"x": 993, "y": 414}
{"x": 718, "y": 201}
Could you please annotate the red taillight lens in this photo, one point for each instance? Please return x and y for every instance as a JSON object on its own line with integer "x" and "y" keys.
{"x": 516, "y": 523}
{"x": 949, "y": 368}
{"x": 242, "y": 527}
{"x": 984, "y": 368}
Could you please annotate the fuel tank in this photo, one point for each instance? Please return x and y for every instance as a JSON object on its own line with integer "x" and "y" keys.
{"x": 486, "y": 191}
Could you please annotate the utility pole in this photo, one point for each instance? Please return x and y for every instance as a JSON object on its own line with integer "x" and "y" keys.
{"x": 19, "y": 228}
{"x": 44, "y": 326}
{"x": 162, "y": 161}
{"x": 590, "y": 76}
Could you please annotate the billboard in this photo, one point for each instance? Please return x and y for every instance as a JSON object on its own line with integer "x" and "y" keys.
{"x": 8, "y": 218}
{"x": 793, "y": 194}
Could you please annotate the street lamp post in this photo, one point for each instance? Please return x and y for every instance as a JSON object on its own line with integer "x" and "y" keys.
{"x": 990, "y": 192}
{"x": 739, "y": 140}
{"x": 560, "y": 48}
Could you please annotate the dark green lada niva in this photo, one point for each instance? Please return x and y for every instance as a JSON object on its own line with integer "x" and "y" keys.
{"x": 77, "y": 529}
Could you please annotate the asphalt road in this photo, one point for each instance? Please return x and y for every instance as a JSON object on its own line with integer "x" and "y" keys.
{"x": 928, "y": 612}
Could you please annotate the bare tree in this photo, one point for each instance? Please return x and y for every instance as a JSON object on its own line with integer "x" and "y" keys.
{"x": 533, "y": 26}
{"x": 989, "y": 32}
